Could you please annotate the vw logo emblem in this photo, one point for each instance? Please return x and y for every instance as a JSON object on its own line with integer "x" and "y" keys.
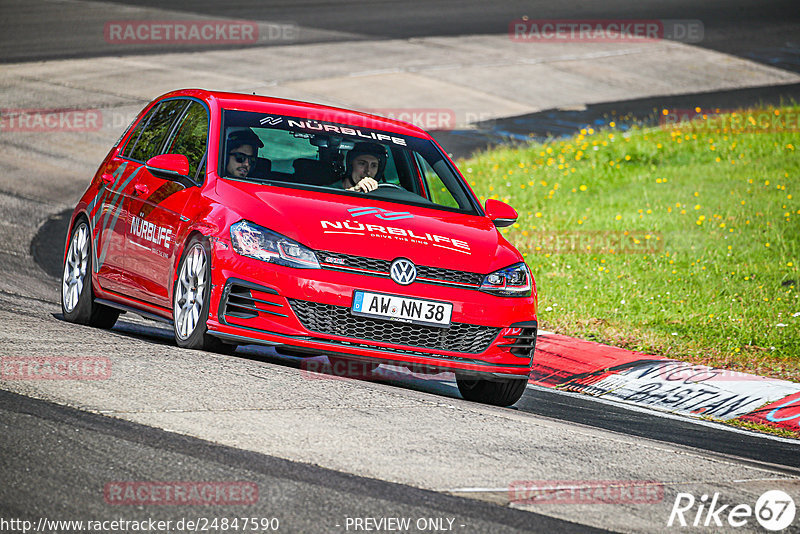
{"x": 403, "y": 271}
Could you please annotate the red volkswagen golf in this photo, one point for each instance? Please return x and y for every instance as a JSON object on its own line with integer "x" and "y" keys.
{"x": 241, "y": 219}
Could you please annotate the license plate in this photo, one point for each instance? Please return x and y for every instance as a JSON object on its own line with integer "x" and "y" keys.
{"x": 403, "y": 309}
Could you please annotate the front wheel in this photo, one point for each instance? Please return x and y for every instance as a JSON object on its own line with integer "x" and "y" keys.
{"x": 496, "y": 392}
{"x": 77, "y": 294}
{"x": 191, "y": 299}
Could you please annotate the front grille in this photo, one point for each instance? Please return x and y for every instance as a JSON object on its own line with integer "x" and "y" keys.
{"x": 333, "y": 259}
{"x": 449, "y": 275}
{"x": 338, "y": 321}
{"x": 356, "y": 262}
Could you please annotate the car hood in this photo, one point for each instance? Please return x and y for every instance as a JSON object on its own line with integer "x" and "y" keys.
{"x": 370, "y": 227}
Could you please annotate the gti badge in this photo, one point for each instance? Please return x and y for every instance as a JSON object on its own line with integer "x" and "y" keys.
{"x": 403, "y": 271}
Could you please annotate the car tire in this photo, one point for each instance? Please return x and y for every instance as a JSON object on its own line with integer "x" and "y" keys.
{"x": 77, "y": 293}
{"x": 191, "y": 298}
{"x": 495, "y": 392}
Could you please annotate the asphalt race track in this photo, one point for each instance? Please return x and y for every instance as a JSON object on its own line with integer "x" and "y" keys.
{"x": 327, "y": 454}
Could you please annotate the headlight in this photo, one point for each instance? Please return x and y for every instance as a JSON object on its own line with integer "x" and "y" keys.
{"x": 513, "y": 281}
{"x": 257, "y": 242}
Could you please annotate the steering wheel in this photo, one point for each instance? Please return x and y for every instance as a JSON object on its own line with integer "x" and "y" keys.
{"x": 387, "y": 184}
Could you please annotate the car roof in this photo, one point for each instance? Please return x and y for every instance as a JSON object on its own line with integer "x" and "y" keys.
{"x": 296, "y": 108}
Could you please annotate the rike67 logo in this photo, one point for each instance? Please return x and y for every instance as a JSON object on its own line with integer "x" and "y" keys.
{"x": 774, "y": 510}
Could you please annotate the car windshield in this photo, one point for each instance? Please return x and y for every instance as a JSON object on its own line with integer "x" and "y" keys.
{"x": 295, "y": 152}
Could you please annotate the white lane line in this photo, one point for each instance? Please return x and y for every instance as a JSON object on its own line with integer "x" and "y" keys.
{"x": 625, "y": 483}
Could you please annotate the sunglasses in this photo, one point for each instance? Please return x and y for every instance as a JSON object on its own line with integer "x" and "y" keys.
{"x": 241, "y": 157}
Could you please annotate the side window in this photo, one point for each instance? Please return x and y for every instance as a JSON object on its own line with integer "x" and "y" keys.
{"x": 138, "y": 132}
{"x": 438, "y": 191}
{"x": 153, "y": 135}
{"x": 192, "y": 137}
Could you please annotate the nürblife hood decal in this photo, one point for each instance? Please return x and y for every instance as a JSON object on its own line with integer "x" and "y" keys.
{"x": 395, "y": 233}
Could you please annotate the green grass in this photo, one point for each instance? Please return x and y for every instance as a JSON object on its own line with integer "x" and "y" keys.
{"x": 757, "y": 427}
{"x": 708, "y": 269}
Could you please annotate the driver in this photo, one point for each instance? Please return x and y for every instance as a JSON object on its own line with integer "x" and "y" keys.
{"x": 364, "y": 167}
{"x": 243, "y": 148}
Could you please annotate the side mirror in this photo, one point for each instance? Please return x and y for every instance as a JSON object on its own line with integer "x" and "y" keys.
{"x": 168, "y": 166}
{"x": 500, "y": 213}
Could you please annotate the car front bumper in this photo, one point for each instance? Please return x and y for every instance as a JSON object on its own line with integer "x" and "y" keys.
{"x": 309, "y": 310}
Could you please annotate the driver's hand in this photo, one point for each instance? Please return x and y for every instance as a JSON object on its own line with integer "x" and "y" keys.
{"x": 366, "y": 185}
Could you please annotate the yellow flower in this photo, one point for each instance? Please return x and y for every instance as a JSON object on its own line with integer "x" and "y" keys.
{"x": 538, "y": 213}
{"x": 618, "y": 217}
{"x": 582, "y": 187}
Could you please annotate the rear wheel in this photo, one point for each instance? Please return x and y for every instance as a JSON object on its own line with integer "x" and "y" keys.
{"x": 496, "y": 392}
{"x": 77, "y": 294}
{"x": 191, "y": 299}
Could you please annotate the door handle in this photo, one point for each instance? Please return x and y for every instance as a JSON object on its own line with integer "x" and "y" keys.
{"x": 141, "y": 189}
{"x": 107, "y": 179}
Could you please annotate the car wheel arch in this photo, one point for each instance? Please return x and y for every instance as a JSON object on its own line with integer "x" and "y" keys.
{"x": 176, "y": 258}
{"x": 77, "y": 217}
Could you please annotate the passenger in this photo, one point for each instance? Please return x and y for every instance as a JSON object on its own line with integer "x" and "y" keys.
{"x": 364, "y": 167}
{"x": 242, "y": 149}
